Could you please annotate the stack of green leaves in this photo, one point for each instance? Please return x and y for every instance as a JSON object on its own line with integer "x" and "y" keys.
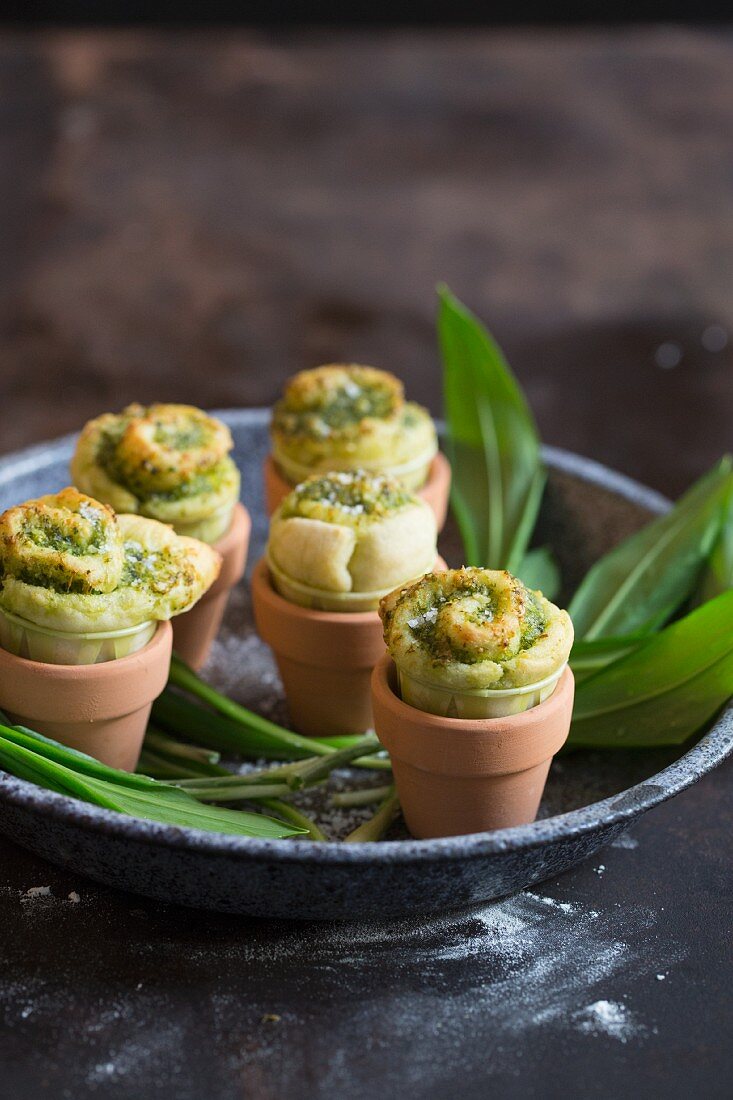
{"x": 642, "y": 679}
{"x": 55, "y": 767}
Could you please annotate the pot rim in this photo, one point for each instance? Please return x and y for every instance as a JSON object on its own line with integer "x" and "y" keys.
{"x": 715, "y": 746}
{"x": 469, "y": 748}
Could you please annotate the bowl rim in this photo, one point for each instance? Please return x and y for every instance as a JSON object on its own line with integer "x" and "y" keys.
{"x": 616, "y": 810}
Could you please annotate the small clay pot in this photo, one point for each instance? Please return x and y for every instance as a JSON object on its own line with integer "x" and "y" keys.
{"x": 325, "y": 659}
{"x": 100, "y": 709}
{"x": 195, "y": 630}
{"x": 456, "y": 775}
{"x": 434, "y": 492}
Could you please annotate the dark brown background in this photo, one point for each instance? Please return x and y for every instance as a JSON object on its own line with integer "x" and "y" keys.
{"x": 194, "y": 216}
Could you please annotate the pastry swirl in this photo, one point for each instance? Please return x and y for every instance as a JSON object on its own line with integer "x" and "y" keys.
{"x": 167, "y": 462}
{"x": 66, "y": 540}
{"x": 341, "y": 540}
{"x": 68, "y": 563}
{"x": 346, "y": 417}
{"x": 473, "y": 629}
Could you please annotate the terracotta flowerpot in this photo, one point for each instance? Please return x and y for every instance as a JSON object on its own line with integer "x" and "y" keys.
{"x": 325, "y": 659}
{"x": 101, "y": 709}
{"x": 456, "y": 775}
{"x": 434, "y": 492}
{"x": 195, "y": 630}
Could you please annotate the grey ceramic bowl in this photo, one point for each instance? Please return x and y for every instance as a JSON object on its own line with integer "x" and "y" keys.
{"x": 590, "y": 797}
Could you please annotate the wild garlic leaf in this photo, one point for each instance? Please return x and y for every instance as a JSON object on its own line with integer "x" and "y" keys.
{"x": 152, "y": 801}
{"x": 664, "y": 691}
{"x": 641, "y": 582}
{"x": 498, "y": 476}
{"x": 718, "y": 574}
{"x": 540, "y": 572}
{"x": 586, "y": 658}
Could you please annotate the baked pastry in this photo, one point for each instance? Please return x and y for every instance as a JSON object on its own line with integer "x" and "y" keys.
{"x": 342, "y": 540}
{"x": 166, "y": 462}
{"x": 347, "y": 417}
{"x": 475, "y": 642}
{"x": 70, "y": 567}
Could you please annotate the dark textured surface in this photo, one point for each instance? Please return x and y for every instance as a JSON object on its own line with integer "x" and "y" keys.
{"x": 193, "y": 217}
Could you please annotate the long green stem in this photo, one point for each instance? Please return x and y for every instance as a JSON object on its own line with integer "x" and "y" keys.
{"x": 364, "y": 797}
{"x": 294, "y": 776}
{"x": 377, "y": 826}
{"x": 242, "y": 792}
{"x": 159, "y": 767}
{"x": 159, "y": 741}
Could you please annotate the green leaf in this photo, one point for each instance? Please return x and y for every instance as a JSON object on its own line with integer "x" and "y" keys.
{"x": 718, "y": 574}
{"x": 589, "y": 657}
{"x": 540, "y": 572}
{"x": 664, "y": 691}
{"x": 641, "y": 582}
{"x": 498, "y": 477}
{"x": 134, "y": 795}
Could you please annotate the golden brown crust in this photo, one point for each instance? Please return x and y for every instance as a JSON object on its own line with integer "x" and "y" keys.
{"x": 472, "y": 629}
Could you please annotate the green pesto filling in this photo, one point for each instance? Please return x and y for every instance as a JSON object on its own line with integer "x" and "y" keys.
{"x": 442, "y": 649}
{"x": 181, "y": 439}
{"x": 535, "y": 621}
{"x": 205, "y": 481}
{"x": 45, "y": 534}
{"x": 39, "y": 578}
{"x": 347, "y": 497}
{"x": 157, "y": 570}
{"x": 344, "y": 407}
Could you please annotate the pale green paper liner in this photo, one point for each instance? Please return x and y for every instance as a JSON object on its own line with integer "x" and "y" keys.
{"x": 411, "y": 475}
{"x": 318, "y": 600}
{"x": 209, "y": 528}
{"x": 58, "y": 647}
{"x": 481, "y": 703}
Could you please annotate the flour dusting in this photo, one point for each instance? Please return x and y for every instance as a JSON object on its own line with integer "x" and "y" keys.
{"x": 609, "y": 1018}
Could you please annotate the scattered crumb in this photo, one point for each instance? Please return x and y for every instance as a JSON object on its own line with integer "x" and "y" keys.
{"x": 271, "y": 1018}
{"x": 37, "y": 892}
{"x": 600, "y": 869}
{"x": 661, "y": 977}
{"x": 74, "y": 898}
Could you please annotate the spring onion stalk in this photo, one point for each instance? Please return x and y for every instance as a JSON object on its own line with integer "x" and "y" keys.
{"x": 237, "y": 729}
{"x": 160, "y": 767}
{"x": 249, "y": 735}
{"x": 158, "y": 741}
{"x": 377, "y": 826}
{"x": 295, "y": 817}
{"x": 364, "y": 797}
{"x": 237, "y": 792}
{"x": 259, "y": 784}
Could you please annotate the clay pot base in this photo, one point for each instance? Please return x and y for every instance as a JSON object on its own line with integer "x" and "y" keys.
{"x": 101, "y": 709}
{"x": 195, "y": 630}
{"x": 456, "y": 776}
{"x": 325, "y": 659}
{"x": 435, "y": 491}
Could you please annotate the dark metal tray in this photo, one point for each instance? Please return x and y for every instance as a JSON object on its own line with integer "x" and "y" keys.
{"x": 590, "y": 797}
